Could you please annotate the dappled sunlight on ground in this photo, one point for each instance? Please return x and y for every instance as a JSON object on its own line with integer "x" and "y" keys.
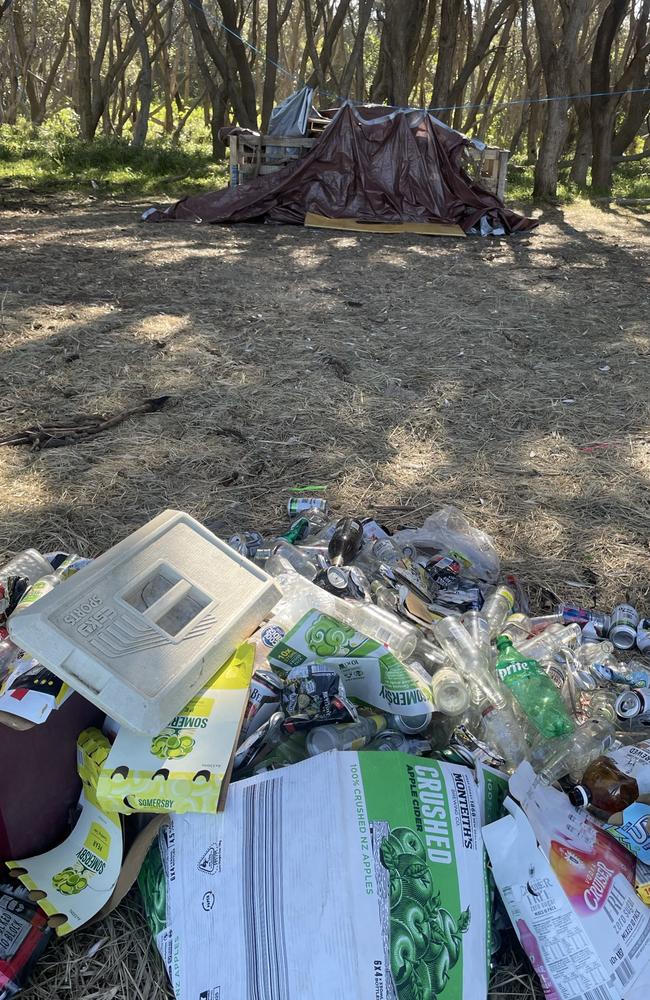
{"x": 507, "y": 376}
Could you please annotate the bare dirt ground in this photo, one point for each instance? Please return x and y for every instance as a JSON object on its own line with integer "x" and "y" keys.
{"x": 509, "y": 377}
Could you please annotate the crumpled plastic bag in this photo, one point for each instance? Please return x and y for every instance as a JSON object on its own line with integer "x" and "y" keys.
{"x": 448, "y": 531}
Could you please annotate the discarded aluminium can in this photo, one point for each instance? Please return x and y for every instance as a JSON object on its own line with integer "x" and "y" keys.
{"x": 622, "y": 631}
{"x": 582, "y": 616}
{"x": 246, "y": 543}
{"x": 643, "y": 635}
{"x": 298, "y": 505}
{"x": 632, "y": 704}
{"x": 410, "y": 725}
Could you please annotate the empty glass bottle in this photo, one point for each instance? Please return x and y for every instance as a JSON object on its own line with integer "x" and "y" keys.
{"x": 501, "y": 727}
{"x": 517, "y": 628}
{"x": 571, "y": 756}
{"x": 347, "y": 736}
{"x": 450, "y": 693}
{"x": 544, "y": 646}
{"x": 497, "y": 608}
{"x": 605, "y": 787}
{"x": 478, "y": 628}
{"x": 346, "y": 541}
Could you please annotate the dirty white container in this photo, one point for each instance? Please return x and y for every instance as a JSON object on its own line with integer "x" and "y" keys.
{"x": 143, "y": 627}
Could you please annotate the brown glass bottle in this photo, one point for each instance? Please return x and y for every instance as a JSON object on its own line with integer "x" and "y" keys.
{"x": 605, "y": 787}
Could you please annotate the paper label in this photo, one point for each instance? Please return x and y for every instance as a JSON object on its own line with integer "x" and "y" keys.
{"x": 632, "y": 827}
{"x": 395, "y": 861}
{"x": 182, "y": 768}
{"x": 370, "y": 672}
{"x": 79, "y": 875}
{"x": 595, "y": 877}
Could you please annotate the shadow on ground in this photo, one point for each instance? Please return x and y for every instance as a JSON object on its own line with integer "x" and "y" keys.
{"x": 506, "y": 376}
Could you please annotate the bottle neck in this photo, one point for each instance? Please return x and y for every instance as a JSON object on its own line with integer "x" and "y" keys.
{"x": 580, "y": 796}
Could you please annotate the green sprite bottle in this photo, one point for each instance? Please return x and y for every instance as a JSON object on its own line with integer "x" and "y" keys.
{"x": 534, "y": 690}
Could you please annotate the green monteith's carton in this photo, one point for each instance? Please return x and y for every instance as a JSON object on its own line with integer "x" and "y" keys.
{"x": 423, "y": 842}
{"x": 370, "y": 673}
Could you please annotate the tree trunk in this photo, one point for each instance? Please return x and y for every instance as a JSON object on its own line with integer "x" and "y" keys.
{"x": 204, "y": 40}
{"x": 558, "y": 55}
{"x": 583, "y": 153}
{"x": 141, "y": 126}
{"x": 552, "y": 146}
{"x": 400, "y": 34}
{"x": 449, "y": 17}
{"x": 603, "y": 108}
{"x": 238, "y": 49}
{"x": 330, "y": 35}
{"x": 81, "y": 33}
{"x": 272, "y": 52}
{"x": 356, "y": 55}
{"x": 219, "y": 108}
{"x": 636, "y": 115}
{"x": 25, "y": 54}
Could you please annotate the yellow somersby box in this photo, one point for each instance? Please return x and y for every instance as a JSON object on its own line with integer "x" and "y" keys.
{"x": 182, "y": 768}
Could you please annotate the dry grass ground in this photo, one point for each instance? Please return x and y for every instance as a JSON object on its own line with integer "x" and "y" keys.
{"x": 509, "y": 377}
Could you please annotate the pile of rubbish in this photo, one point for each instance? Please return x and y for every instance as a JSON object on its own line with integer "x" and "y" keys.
{"x": 360, "y": 746}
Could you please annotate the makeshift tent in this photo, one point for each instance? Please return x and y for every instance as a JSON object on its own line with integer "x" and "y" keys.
{"x": 371, "y": 165}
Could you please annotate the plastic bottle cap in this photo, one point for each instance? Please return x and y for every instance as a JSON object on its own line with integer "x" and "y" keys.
{"x": 503, "y": 641}
{"x": 579, "y": 796}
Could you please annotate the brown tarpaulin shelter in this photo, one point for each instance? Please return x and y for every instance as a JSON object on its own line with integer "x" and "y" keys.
{"x": 371, "y": 165}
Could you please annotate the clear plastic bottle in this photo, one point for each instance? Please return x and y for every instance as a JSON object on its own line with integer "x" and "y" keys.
{"x": 496, "y": 609}
{"x": 316, "y": 519}
{"x": 573, "y": 755}
{"x": 450, "y": 693}
{"x": 503, "y": 732}
{"x": 347, "y": 736}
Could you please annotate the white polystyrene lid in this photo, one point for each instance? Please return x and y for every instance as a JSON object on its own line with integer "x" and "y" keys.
{"x": 148, "y": 609}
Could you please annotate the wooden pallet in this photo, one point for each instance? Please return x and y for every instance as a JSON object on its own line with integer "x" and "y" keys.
{"x": 316, "y": 126}
{"x": 492, "y": 169}
{"x": 256, "y": 155}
